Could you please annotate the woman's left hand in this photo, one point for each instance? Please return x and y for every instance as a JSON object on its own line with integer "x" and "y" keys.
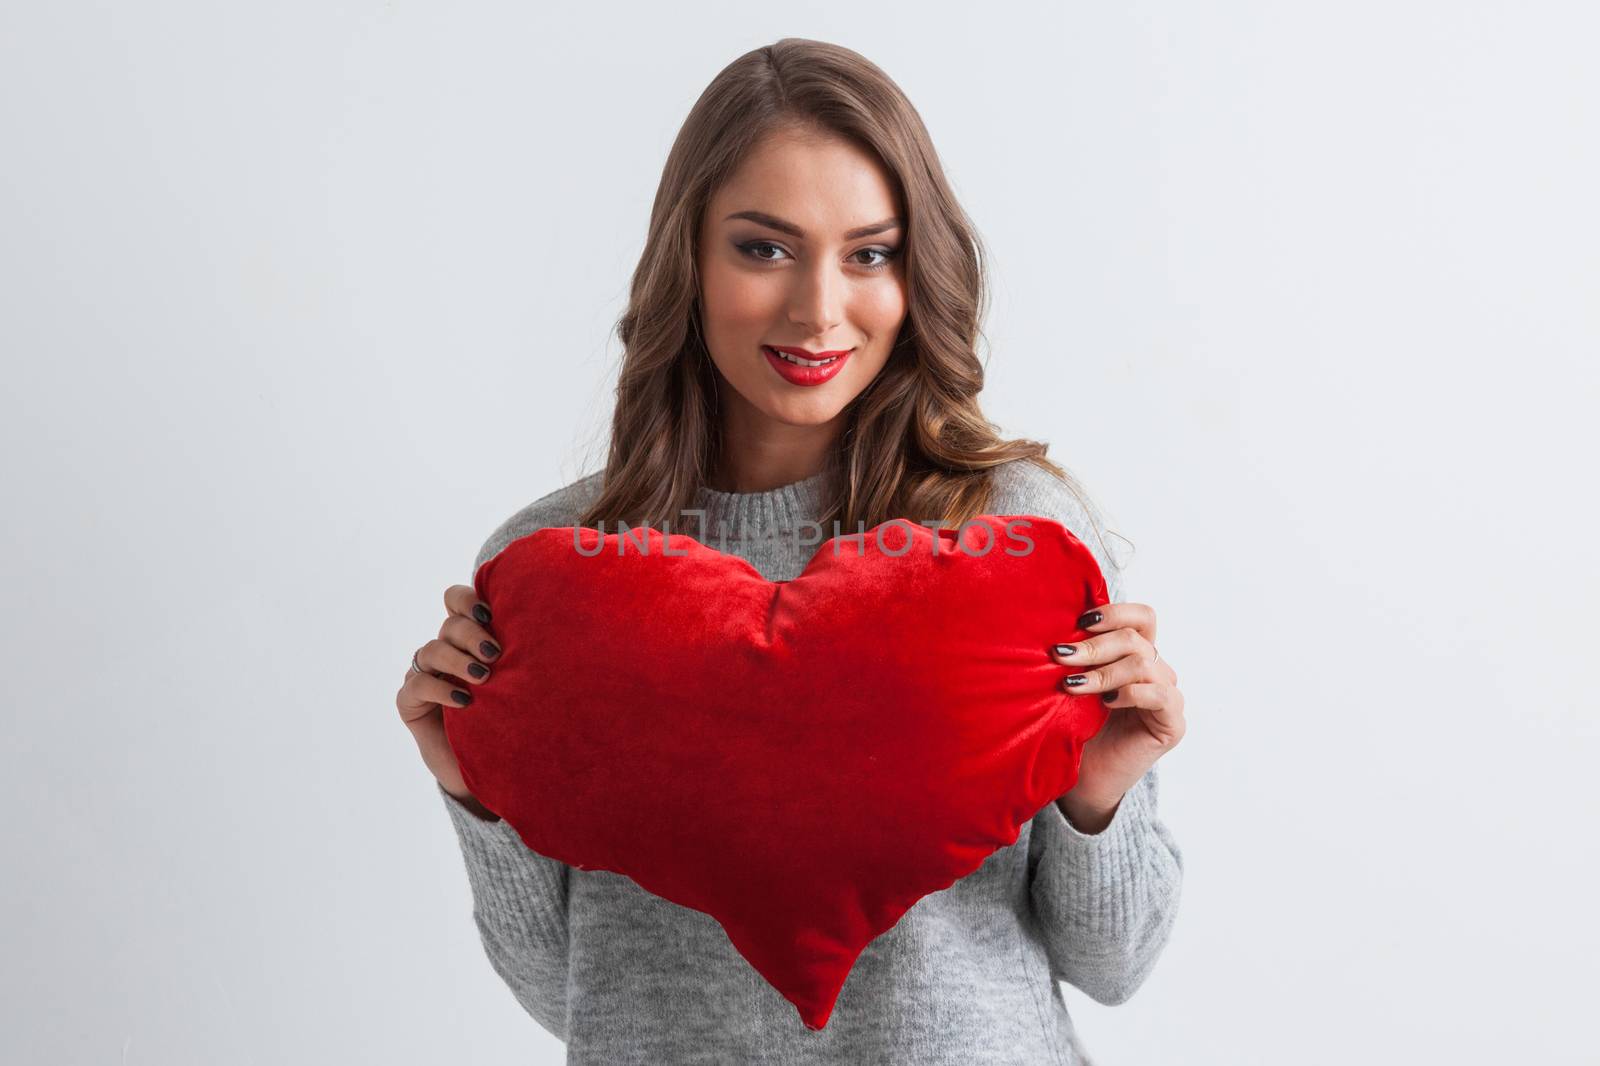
{"x": 1120, "y": 662}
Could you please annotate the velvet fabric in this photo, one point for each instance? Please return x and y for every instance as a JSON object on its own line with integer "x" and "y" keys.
{"x": 801, "y": 760}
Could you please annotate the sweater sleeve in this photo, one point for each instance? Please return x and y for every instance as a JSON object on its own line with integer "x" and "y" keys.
{"x": 1105, "y": 902}
{"x": 519, "y": 897}
{"x": 519, "y": 903}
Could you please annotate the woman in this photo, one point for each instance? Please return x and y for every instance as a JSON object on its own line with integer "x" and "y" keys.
{"x": 799, "y": 346}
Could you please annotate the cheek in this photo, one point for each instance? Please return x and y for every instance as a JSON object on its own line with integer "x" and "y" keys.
{"x": 739, "y": 301}
{"x": 880, "y": 309}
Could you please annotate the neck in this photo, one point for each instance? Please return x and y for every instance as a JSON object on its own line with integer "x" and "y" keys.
{"x": 767, "y": 455}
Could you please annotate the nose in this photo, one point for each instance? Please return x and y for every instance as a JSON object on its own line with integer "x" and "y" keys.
{"x": 816, "y": 303}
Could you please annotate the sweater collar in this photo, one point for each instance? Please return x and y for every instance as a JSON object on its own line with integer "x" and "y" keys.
{"x": 758, "y": 513}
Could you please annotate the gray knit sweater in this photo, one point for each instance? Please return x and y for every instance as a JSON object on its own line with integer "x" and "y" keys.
{"x": 967, "y": 976}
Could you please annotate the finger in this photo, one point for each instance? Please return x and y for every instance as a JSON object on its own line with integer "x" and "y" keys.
{"x": 1159, "y": 706}
{"x": 1139, "y": 616}
{"x": 442, "y": 657}
{"x": 422, "y": 695}
{"x": 463, "y": 600}
{"x": 1096, "y": 650}
{"x": 470, "y": 637}
{"x": 1133, "y": 694}
{"x": 1140, "y": 666}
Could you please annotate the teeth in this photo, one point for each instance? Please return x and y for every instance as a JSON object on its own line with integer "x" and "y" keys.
{"x": 796, "y": 360}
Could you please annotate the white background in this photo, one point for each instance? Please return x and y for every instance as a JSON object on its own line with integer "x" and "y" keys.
{"x": 299, "y": 300}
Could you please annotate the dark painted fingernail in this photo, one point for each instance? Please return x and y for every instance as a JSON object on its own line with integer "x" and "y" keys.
{"x": 481, "y": 613}
{"x": 461, "y": 697}
{"x": 488, "y": 649}
{"x": 1074, "y": 680}
{"x": 1107, "y": 697}
{"x": 1088, "y": 618}
{"x": 1064, "y": 650}
{"x": 477, "y": 670}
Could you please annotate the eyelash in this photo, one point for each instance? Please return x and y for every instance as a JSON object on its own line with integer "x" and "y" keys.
{"x": 889, "y": 254}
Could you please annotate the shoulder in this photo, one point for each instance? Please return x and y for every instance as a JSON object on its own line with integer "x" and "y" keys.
{"x": 1023, "y": 487}
{"x": 560, "y": 507}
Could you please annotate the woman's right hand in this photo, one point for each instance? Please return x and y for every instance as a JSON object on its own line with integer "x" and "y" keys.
{"x": 452, "y": 663}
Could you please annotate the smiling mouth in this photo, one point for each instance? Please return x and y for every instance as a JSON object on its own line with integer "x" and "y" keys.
{"x": 799, "y": 361}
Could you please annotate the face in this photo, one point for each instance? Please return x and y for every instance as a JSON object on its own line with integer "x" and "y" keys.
{"x": 813, "y": 264}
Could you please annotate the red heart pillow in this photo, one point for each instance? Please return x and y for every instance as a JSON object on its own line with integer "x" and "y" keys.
{"x": 802, "y": 760}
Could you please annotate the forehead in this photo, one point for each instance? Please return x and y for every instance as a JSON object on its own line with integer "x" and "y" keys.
{"x": 824, "y": 183}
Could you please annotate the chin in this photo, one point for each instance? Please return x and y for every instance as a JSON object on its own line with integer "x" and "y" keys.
{"x": 806, "y": 412}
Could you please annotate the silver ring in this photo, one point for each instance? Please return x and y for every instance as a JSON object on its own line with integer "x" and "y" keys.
{"x": 416, "y": 665}
{"x": 1156, "y": 651}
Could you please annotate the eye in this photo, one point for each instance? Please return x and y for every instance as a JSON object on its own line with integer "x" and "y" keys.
{"x": 887, "y": 253}
{"x": 749, "y": 249}
{"x": 753, "y": 249}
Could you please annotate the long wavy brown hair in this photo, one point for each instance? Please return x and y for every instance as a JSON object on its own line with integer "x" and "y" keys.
{"x": 915, "y": 443}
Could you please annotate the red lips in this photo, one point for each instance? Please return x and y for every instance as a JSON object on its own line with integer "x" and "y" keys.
{"x": 807, "y": 375}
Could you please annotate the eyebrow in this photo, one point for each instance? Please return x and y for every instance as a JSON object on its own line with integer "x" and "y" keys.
{"x": 792, "y": 230}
